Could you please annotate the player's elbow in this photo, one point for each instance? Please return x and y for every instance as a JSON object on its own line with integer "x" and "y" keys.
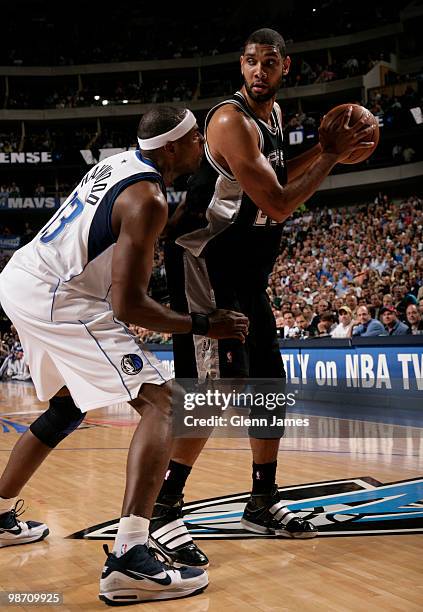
{"x": 129, "y": 307}
{"x": 121, "y": 311}
{"x": 274, "y": 214}
{"x": 278, "y": 216}
{"x": 123, "y": 308}
{"x": 274, "y": 205}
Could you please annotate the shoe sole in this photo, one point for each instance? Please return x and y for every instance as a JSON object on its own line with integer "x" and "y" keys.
{"x": 179, "y": 565}
{"x": 28, "y": 540}
{"x": 295, "y": 535}
{"x": 254, "y": 527}
{"x": 134, "y": 596}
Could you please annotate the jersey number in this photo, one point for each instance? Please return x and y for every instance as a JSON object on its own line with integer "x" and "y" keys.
{"x": 261, "y": 219}
{"x": 71, "y": 211}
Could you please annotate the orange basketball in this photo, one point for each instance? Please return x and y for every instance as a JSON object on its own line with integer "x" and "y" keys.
{"x": 358, "y": 112}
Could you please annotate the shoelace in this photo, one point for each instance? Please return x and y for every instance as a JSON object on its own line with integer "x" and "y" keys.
{"x": 154, "y": 554}
{"x": 155, "y": 563}
{"x": 14, "y": 512}
{"x": 18, "y": 508}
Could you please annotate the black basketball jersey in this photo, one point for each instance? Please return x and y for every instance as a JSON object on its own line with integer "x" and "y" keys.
{"x": 238, "y": 239}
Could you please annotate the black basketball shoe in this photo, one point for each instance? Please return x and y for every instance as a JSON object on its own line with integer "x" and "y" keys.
{"x": 266, "y": 514}
{"x": 138, "y": 576}
{"x": 13, "y": 532}
{"x": 169, "y": 537}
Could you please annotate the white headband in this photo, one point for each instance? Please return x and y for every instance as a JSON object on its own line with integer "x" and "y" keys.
{"x": 187, "y": 123}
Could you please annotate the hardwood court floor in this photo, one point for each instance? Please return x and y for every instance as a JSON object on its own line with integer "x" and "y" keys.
{"x": 82, "y": 482}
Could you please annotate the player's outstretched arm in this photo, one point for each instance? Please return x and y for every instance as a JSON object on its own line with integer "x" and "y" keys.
{"x": 139, "y": 216}
{"x": 233, "y": 141}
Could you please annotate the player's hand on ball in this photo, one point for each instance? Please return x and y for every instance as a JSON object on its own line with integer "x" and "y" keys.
{"x": 340, "y": 138}
{"x": 228, "y": 324}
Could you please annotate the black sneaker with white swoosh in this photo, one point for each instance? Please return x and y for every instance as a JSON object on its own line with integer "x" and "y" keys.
{"x": 139, "y": 576}
{"x": 13, "y": 531}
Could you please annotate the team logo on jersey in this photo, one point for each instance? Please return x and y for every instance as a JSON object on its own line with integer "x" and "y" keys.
{"x": 351, "y": 507}
{"x": 131, "y": 364}
{"x": 276, "y": 158}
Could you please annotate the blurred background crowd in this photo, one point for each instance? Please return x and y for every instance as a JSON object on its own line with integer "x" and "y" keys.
{"x": 351, "y": 258}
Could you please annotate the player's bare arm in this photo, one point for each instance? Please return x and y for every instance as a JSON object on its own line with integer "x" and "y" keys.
{"x": 233, "y": 142}
{"x": 139, "y": 216}
{"x": 175, "y": 218}
{"x": 301, "y": 163}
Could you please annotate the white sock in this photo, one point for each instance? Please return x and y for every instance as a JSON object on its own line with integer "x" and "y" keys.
{"x": 132, "y": 530}
{"x": 6, "y": 504}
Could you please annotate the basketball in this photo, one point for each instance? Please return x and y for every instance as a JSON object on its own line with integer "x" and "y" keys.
{"x": 358, "y": 112}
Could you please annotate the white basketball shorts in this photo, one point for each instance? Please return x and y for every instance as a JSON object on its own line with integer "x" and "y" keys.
{"x": 99, "y": 360}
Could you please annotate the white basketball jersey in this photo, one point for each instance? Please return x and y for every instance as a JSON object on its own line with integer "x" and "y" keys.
{"x": 64, "y": 273}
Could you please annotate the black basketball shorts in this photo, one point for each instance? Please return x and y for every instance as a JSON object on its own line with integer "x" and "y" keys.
{"x": 194, "y": 287}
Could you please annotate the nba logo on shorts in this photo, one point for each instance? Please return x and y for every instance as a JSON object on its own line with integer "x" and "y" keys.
{"x": 131, "y": 364}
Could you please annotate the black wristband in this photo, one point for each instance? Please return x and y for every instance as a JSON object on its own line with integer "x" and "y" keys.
{"x": 200, "y": 323}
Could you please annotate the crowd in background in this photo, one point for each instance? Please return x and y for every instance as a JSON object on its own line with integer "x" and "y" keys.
{"x": 393, "y": 109}
{"x": 13, "y": 364}
{"x": 399, "y": 116}
{"x": 70, "y": 96}
{"x": 127, "y": 88}
{"x": 147, "y": 32}
{"x": 341, "y": 272}
{"x": 362, "y": 258}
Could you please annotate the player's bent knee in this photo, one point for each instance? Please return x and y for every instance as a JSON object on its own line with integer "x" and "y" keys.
{"x": 60, "y": 419}
{"x": 267, "y": 424}
{"x": 157, "y": 397}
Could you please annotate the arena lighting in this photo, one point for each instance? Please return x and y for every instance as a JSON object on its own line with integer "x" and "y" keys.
{"x": 104, "y": 102}
{"x": 97, "y": 98}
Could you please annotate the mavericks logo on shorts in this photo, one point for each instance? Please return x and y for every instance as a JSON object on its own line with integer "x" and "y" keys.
{"x": 131, "y": 364}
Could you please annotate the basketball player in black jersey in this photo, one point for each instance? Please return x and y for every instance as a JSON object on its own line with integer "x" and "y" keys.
{"x": 248, "y": 189}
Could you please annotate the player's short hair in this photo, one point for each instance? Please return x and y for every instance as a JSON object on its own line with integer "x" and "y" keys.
{"x": 159, "y": 120}
{"x": 267, "y": 36}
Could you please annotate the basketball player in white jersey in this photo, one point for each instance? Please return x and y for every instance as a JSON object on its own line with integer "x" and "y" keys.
{"x": 67, "y": 293}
